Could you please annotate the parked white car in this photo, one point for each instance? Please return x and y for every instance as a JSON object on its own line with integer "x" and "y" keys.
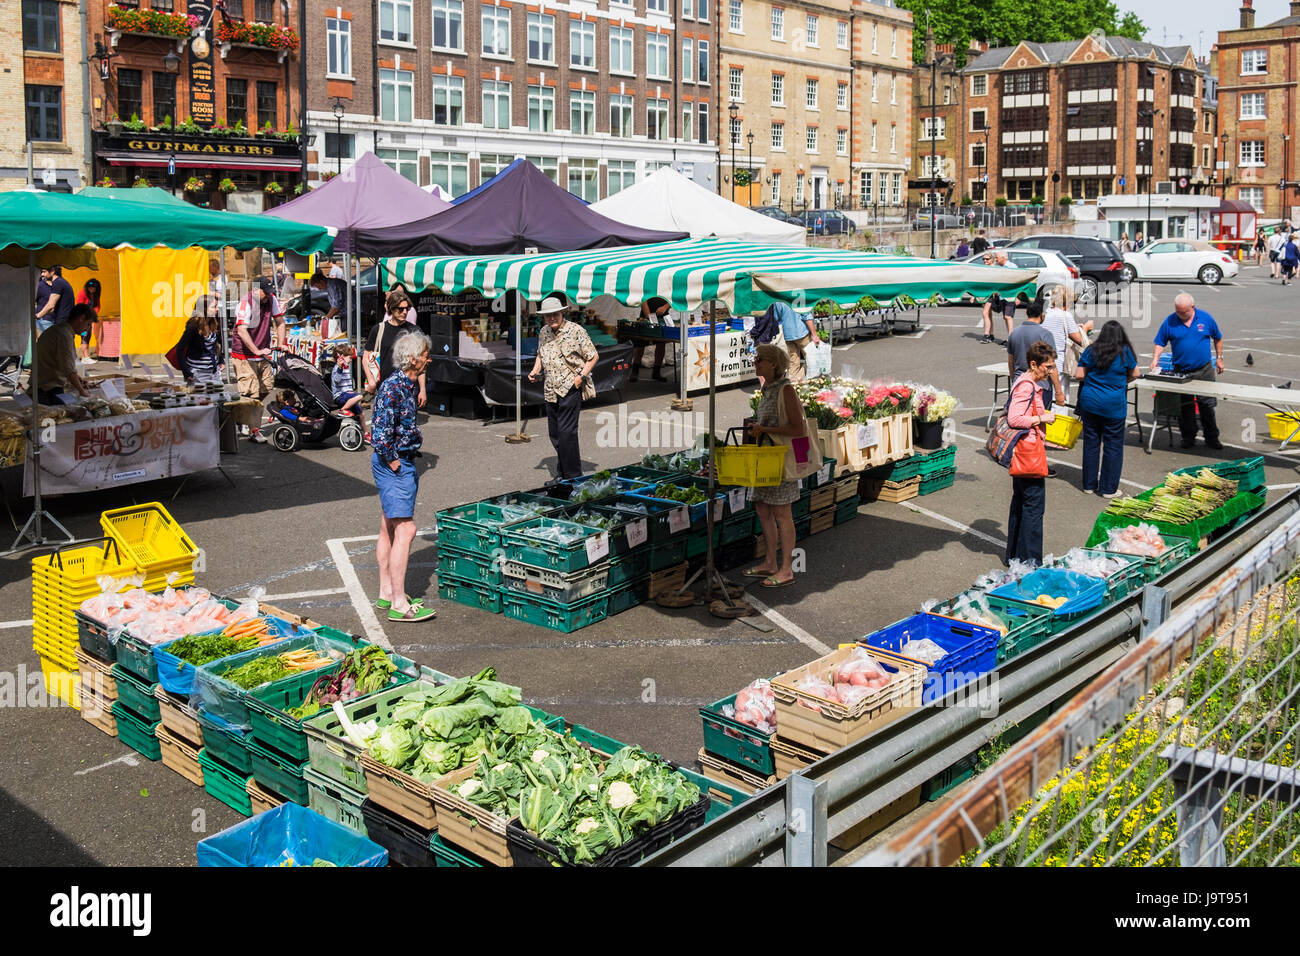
{"x": 1053, "y": 270}
{"x": 1182, "y": 259}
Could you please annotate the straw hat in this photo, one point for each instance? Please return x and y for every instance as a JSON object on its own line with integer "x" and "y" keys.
{"x": 550, "y": 305}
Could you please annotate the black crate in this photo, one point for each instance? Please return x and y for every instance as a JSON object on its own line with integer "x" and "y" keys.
{"x": 468, "y": 403}
{"x": 528, "y": 850}
{"x": 444, "y": 326}
{"x": 407, "y": 845}
{"x": 445, "y": 346}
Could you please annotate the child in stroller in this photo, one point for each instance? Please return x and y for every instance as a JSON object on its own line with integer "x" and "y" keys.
{"x": 305, "y": 410}
{"x": 342, "y": 384}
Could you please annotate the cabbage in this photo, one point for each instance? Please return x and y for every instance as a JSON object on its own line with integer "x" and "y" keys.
{"x": 393, "y": 746}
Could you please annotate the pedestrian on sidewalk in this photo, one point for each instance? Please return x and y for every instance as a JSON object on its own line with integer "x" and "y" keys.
{"x": 1029, "y": 495}
{"x": 1290, "y": 259}
{"x": 1275, "y": 243}
{"x": 995, "y": 302}
{"x": 1105, "y": 369}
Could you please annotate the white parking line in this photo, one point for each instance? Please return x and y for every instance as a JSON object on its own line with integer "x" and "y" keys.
{"x": 352, "y": 584}
{"x": 324, "y": 592}
{"x": 128, "y": 759}
{"x": 785, "y": 624}
{"x": 27, "y": 623}
{"x": 953, "y": 523}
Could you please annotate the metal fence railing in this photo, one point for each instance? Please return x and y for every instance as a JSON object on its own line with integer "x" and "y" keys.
{"x": 1183, "y": 753}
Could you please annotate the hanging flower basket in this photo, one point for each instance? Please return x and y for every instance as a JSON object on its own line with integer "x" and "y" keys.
{"x": 257, "y": 34}
{"x": 227, "y": 185}
{"x": 106, "y": 183}
{"x": 141, "y": 183}
{"x": 273, "y": 188}
{"x": 176, "y": 25}
{"x": 194, "y": 185}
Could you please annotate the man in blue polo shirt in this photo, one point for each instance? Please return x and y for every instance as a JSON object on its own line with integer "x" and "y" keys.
{"x": 1197, "y": 345}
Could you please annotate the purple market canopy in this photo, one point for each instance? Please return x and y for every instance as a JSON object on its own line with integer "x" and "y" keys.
{"x": 523, "y": 209}
{"x": 370, "y": 195}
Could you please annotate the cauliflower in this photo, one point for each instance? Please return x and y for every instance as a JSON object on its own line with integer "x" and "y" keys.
{"x": 502, "y": 766}
{"x": 539, "y": 755}
{"x": 621, "y": 795}
{"x": 469, "y": 787}
{"x": 586, "y": 826}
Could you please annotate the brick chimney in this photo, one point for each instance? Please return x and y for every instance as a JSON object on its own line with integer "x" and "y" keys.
{"x": 1295, "y": 9}
{"x": 1248, "y": 14}
{"x": 930, "y": 45}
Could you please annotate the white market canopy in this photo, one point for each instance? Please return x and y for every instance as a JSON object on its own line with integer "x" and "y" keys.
{"x": 747, "y": 277}
{"x": 669, "y": 201}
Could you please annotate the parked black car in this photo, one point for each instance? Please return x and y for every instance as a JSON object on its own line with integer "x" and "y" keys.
{"x": 826, "y": 222}
{"x": 777, "y": 213}
{"x": 1099, "y": 261}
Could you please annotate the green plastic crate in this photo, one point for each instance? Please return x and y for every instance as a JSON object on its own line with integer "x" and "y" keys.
{"x": 1241, "y": 504}
{"x": 629, "y": 595}
{"x": 737, "y": 527}
{"x": 619, "y": 542}
{"x": 847, "y": 509}
{"x": 1153, "y": 567}
{"x": 334, "y": 801}
{"x": 136, "y": 694}
{"x": 558, "y": 617}
{"x": 1120, "y": 583}
{"x": 1057, "y": 622}
{"x": 739, "y": 743}
{"x": 136, "y": 655}
{"x": 278, "y": 775}
{"x": 802, "y": 527}
{"x": 522, "y": 547}
{"x": 1027, "y": 626}
{"x": 698, "y": 542}
{"x": 630, "y": 567}
{"x": 937, "y": 481}
{"x": 950, "y": 778}
{"x": 447, "y": 855}
{"x": 277, "y": 731}
{"x": 800, "y": 508}
{"x": 343, "y": 637}
{"x": 136, "y": 732}
{"x": 467, "y": 566}
{"x": 651, "y": 475}
{"x": 475, "y": 528}
{"x": 228, "y": 747}
{"x": 526, "y": 498}
{"x": 656, "y": 512}
{"x": 815, "y": 480}
{"x": 485, "y": 597}
{"x": 1248, "y": 473}
{"x": 594, "y": 739}
{"x": 944, "y": 459}
{"x": 227, "y": 785}
{"x": 721, "y": 796}
{"x": 667, "y": 554}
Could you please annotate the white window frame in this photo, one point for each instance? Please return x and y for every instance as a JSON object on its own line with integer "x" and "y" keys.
{"x": 582, "y": 35}
{"x": 811, "y": 28}
{"x": 658, "y": 55}
{"x": 702, "y": 60}
{"x": 841, "y": 96}
{"x": 1258, "y": 103}
{"x": 811, "y": 89}
{"x": 875, "y": 37}
{"x": 625, "y": 104}
{"x": 661, "y": 109}
{"x": 446, "y": 161}
{"x": 453, "y": 88}
{"x": 866, "y": 186}
{"x": 338, "y": 41}
{"x": 778, "y": 24}
{"x": 778, "y": 89}
{"x": 799, "y": 181}
{"x": 688, "y": 59}
{"x": 703, "y": 127}
{"x": 688, "y": 9}
{"x": 539, "y": 25}
{"x": 873, "y": 136}
{"x": 974, "y": 160}
{"x": 883, "y": 189}
{"x": 490, "y": 20}
{"x": 1252, "y": 153}
{"x": 549, "y": 166}
{"x": 841, "y": 142}
{"x": 898, "y": 189}
{"x": 494, "y": 92}
{"x": 893, "y": 88}
{"x": 736, "y": 83}
{"x": 656, "y": 6}
{"x": 775, "y": 196}
{"x": 702, "y": 10}
{"x": 583, "y": 99}
{"x": 539, "y": 95}
{"x": 736, "y": 14}
{"x": 812, "y": 138}
{"x": 688, "y": 123}
{"x": 893, "y": 138}
{"x": 978, "y": 129}
{"x": 396, "y": 159}
{"x": 893, "y": 42}
{"x": 622, "y": 51}
{"x": 451, "y": 12}
{"x": 587, "y": 170}
{"x": 940, "y": 127}
{"x": 396, "y": 7}
{"x": 1258, "y": 60}
{"x": 977, "y": 81}
{"x": 778, "y": 137}
{"x": 619, "y": 169}
{"x": 1253, "y": 195}
{"x": 875, "y": 82}
{"x": 841, "y": 34}
{"x": 399, "y": 80}
{"x": 734, "y": 127}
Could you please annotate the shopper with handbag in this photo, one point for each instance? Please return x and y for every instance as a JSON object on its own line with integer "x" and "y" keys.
{"x": 1028, "y": 465}
{"x": 780, "y": 417}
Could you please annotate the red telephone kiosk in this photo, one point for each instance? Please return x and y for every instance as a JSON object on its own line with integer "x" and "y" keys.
{"x": 1234, "y": 226}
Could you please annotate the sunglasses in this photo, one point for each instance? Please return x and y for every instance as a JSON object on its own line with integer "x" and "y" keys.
{"x": 401, "y": 308}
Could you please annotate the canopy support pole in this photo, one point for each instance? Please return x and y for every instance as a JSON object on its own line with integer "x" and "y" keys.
{"x": 32, "y": 531}
{"x": 221, "y": 312}
{"x": 519, "y": 438}
{"x": 348, "y": 332}
{"x": 680, "y": 353}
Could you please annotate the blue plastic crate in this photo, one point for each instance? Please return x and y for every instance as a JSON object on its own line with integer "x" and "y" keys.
{"x": 971, "y": 649}
{"x": 177, "y": 676}
{"x": 289, "y": 835}
{"x": 1084, "y": 594}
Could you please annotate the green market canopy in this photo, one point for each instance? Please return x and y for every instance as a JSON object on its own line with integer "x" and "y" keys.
{"x": 688, "y": 273}
{"x": 31, "y": 219}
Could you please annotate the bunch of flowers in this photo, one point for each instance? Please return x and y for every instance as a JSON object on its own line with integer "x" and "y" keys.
{"x": 931, "y": 404}
{"x": 274, "y": 188}
{"x": 227, "y": 185}
{"x": 257, "y": 34}
{"x": 194, "y": 185}
{"x": 884, "y": 400}
{"x": 107, "y": 183}
{"x": 176, "y": 25}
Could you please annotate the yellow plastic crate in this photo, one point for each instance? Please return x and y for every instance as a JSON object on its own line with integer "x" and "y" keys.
{"x": 62, "y": 682}
{"x": 150, "y": 537}
{"x": 1065, "y": 431}
{"x": 79, "y": 569}
{"x": 56, "y": 650}
{"x": 750, "y": 466}
{"x": 1282, "y": 424}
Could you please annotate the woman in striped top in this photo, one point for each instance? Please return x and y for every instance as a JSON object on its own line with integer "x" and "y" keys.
{"x": 199, "y": 351}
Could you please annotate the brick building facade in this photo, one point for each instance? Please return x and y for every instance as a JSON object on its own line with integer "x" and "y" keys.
{"x": 1258, "y": 73}
{"x": 882, "y": 83}
{"x": 216, "y": 92}
{"x": 1103, "y": 114}
{"x": 596, "y": 93}
{"x": 938, "y": 130}
{"x": 42, "y": 95}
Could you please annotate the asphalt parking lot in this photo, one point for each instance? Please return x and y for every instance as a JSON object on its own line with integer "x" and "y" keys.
{"x": 301, "y": 526}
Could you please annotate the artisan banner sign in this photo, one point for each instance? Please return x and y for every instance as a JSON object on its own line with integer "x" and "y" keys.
{"x": 203, "y": 91}
{"x": 733, "y": 363}
{"x": 107, "y": 452}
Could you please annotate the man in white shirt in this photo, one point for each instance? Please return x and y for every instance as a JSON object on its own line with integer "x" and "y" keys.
{"x": 1275, "y": 243}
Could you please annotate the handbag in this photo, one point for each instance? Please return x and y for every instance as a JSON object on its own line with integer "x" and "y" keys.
{"x": 803, "y": 455}
{"x": 1029, "y": 456}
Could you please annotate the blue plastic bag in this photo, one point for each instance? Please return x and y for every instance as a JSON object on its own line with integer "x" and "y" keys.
{"x": 289, "y": 835}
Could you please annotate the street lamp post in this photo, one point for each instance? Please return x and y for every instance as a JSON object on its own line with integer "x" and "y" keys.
{"x": 733, "y": 113}
{"x": 1221, "y": 171}
{"x": 1281, "y": 185}
{"x": 749, "y": 138}
{"x": 934, "y": 224}
{"x": 984, "y": 178}
{"x": 338, "y": 135}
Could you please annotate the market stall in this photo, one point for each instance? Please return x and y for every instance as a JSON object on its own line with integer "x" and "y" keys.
{"x": 33, "y": 220}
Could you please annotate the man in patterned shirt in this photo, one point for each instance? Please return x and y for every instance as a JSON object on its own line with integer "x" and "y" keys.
{"x": 565, "y": 352}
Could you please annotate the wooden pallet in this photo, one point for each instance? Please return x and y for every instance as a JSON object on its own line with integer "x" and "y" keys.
{"x": 261, "y": 798}
{"x": 179, "y": 755}
{"x": 98, "y": 712}
{"x": 96, "y": 675}
{"x": 893, "y": 491}
{"x": 822, "y": 520}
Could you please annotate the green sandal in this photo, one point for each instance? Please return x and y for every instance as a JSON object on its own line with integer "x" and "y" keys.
{"x": 388, "y": 605}
{"x": 416, "y": 612}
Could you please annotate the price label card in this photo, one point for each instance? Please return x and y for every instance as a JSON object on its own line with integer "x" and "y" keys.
{"x": 868, "y": 434}
{"x": 638, "y": 532}
{"x": 109, "y": 388}
{"x": 126, "y": 362}
{"x": 823, "y": 475}
{"x": 679, "y": 519}
{"x": 749, "y": 495}
{"x": 718, "y": 507}
{"x": 736, "y": 497}
{"x": 597, "y": 547}
{"x": 171, "y": 376}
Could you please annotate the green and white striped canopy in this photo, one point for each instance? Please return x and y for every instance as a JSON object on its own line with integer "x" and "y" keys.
{"x": 746, "y": 277}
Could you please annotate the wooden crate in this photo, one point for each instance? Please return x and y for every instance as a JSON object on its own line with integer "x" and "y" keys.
{"x": 179, "y": 755}
{"x": 96, "y": 676}
{"x": 790, "y": 757}
{"x": 401, "y": 793}
{"x": 882, "y": 818}
{"x": 846, "y": 488}
{"x": 668, "y": 580}
{"x": 893, "y": 491}
{"x": 822, "y": 520}
{"x": 261, "y": 798}
{"x": 732, "y": 774}
{"x": 822, "y": 498}
{"x": 179, "y": 718}
{"x": 464, "y": 825}
{"x": 98, "y": 712}
{"x": 834, "y": 725}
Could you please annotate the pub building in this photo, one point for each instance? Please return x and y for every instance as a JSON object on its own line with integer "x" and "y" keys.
{"x": 200, "y": 102}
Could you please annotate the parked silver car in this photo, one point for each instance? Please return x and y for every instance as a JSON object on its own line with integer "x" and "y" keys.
{"x": 1053, "y": 271}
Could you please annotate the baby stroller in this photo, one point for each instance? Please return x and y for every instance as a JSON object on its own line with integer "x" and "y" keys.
{"x": 305, "y": 410}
